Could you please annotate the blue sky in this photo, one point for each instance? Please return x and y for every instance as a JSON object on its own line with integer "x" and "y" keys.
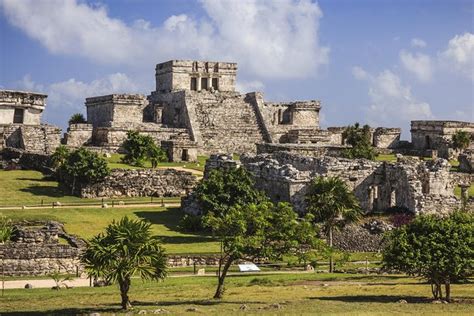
{"x": 380, "y": 62}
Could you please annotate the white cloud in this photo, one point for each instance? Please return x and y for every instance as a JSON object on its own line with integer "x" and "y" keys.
{"x": 392, "y": 103}
{"x": 418, "y": 64}
{"x": 418, "y": 42}
{"x": 359, "y": 73}
{"x": 459, "y": 55}
{"x": 277, "y": 39}
{"x": 249, "y": 86}
{"x": 68, "y": 96}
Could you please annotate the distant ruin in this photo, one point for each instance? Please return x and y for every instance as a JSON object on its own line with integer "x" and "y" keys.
{"x": 20, "y": 123}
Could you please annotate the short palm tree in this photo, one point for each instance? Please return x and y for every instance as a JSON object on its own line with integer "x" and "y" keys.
{"x": 126, "y": 249}
{"x": 332, "y": 203}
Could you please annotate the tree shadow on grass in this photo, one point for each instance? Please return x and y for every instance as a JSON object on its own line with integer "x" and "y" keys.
{"x": 373, "y": 298}
{"x": 169, "y": 218}
{"x": 45, "y": 190}
{"x": 67, "y": 311}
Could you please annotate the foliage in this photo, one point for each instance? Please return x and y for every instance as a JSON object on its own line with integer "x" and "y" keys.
{"x": 141, "y": 148}
{"x": 360, "y": 140}
{"x": 6, "y": 229}
{"x": 254, "y": 231}
{"x": 58, "y": 161}
{"x": 401, "y": 219}
{"x": 126, "y": 249}
{"x": 190, "y": 223}
{"x": 333, "y": 204}
{"x": 77, "y": 118}
{"x": 59, "y": 280}
{"x": 223, "y": 189}
{"x": 440, "y": 250}
{"x": 82, "y": 167}
{"x": 461, "y": 139}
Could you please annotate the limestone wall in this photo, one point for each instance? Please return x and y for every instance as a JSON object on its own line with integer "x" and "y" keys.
{"x": 42, "y": 139}
{"x": 386, "y": 137}
{"x": 142, "y": 182}
{"x": 78, "y": 135}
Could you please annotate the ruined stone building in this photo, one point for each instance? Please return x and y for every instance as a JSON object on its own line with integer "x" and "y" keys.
{"x": 20, "y": 123}
{"x": 196, "y": 110}
{"x": 410, "y": 183}
{"x": 437, "y": 135}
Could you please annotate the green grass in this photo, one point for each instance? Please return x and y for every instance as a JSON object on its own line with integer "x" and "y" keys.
{"x": 386, "y": 157}
{"x": 457, "y": 191}
{"x": 87, "y": 222}
{"x": 294, "y": 293}
{"x": 115, "y": 162}
{"x": 27, "y": 187}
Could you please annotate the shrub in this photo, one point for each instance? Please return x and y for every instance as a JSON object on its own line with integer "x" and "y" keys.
{"x": 461, "y": 140}
{"x": 6, "y": 229}
{"x": 360, "y": 140}
{"x": 140, "y": 148}
{"x": 190, "y": 223}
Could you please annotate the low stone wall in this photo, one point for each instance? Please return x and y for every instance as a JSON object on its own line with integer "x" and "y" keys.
{"x": 355, "y": 238}
{"x": 34, "y": 249}
{"x": 142, "y": 182}
{"x": 12, "y": 158}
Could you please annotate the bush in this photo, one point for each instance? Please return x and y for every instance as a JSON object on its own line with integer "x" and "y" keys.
{"x": 360, "y": 140}
{"x": 6, "y": 229}
{"x": 190, "y": 223}
{"x": 140, "y": 148}
{"x": 461, "y": 140}
{"x": 77, "y": 118}
{"x": 82, "y": 167}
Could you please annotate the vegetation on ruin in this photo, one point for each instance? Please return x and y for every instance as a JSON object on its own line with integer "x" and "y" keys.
{"x": 81, "y": 167}
{"x": 439, "y": 250}
{"x": 6, "y": 229}
{"x": 141, "y": 148}
{"x": 256, "y": 231}
{"x": 77, "y": 118}
{"x": 360, "y": 140}
{"x": 461, "y": 139}
{"x": 273, "y": 294}
{"x": 332, "y": 204}
{"x": 126, "y": 249}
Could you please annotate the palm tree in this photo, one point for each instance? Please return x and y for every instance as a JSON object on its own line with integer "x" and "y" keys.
{"x": 126, "y": 249}
{"x": 332, "y": 203}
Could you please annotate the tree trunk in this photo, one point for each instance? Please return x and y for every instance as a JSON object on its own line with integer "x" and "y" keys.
{"x": 434, "y": 290}
{"x": 447, "y": 286}
{"x": 331, "y": 263}
{"x": 124, "y": 287}
{"x": 440, "y": 291}
{"x": 220, "y": 284}
{"x": 73, "y": 185}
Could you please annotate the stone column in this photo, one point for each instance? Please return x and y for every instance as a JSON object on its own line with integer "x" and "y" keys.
{"x": 198, "y": 83}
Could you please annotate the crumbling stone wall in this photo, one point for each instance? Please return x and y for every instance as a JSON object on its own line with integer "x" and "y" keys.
{"x": 42, "y": 139}
{"x": 78, "y": 135}
{"x": 466, "y": 161}
{"x": 35, "y": 250}
{"x": 141, "y": 182}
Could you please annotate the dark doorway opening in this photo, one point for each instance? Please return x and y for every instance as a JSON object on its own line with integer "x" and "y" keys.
{"x": 204, "y": 84}
{"x": 185, "y": 155}
{"x": 18, "y": 116}
{"x": 214, "y": 83}
{"x": 194, "y": 84}
{"x": 427, "y": 142}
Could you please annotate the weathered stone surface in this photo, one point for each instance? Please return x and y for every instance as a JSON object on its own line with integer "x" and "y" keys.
{"x": 142, "y": 182}
{"x": 27, "y": 105}
{"x": 466, "y": 161}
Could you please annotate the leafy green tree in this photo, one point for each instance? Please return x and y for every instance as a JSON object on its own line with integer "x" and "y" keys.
{"x": 440, "y": 250}
{"x": 83, "y": 167}
{"x": 126, "y": 249}
{"x": 360, "y": 140}
{"x": 333, "y": 204}
{"x": 254, "y": 231}
{"x": 59, "y": 159}
{"x": 140, "y": 148}
{"x": 77, "y": 118}
{"x": 461, "y": 140}
{"x": 223, "y": 189}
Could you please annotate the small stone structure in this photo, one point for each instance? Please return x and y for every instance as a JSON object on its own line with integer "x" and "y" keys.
{"x": 20, "y": 127}
{"x": 466, "y": 161}
{"x": 35, "y": 249}
{"x": 142, "y": 182}
{"x": 437, "y": 135}
{"x": 419, "y": 186}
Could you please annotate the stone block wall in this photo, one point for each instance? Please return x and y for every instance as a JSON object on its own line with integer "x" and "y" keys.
{"x": 41, "y": 139}
{"x": 142, "y": 182}
{"x": 386, "y": 137}
{"x": 78, "y": 135}
{"x": 31, "y": 103}
{"x": 35, "y": 250}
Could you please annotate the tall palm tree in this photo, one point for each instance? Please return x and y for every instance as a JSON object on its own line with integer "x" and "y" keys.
{"x": 126, "y": 249}
{"x": 332, "y": 203}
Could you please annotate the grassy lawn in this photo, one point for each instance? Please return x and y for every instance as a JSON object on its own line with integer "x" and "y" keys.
{"x": 386, "y": 157}
{"x": 87, "y": 222}
{"x": 27, "y": 187}
{"x": 115, "y": 162}
{"x": 261, "y": 294}
{"x": 457, "y": 191}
